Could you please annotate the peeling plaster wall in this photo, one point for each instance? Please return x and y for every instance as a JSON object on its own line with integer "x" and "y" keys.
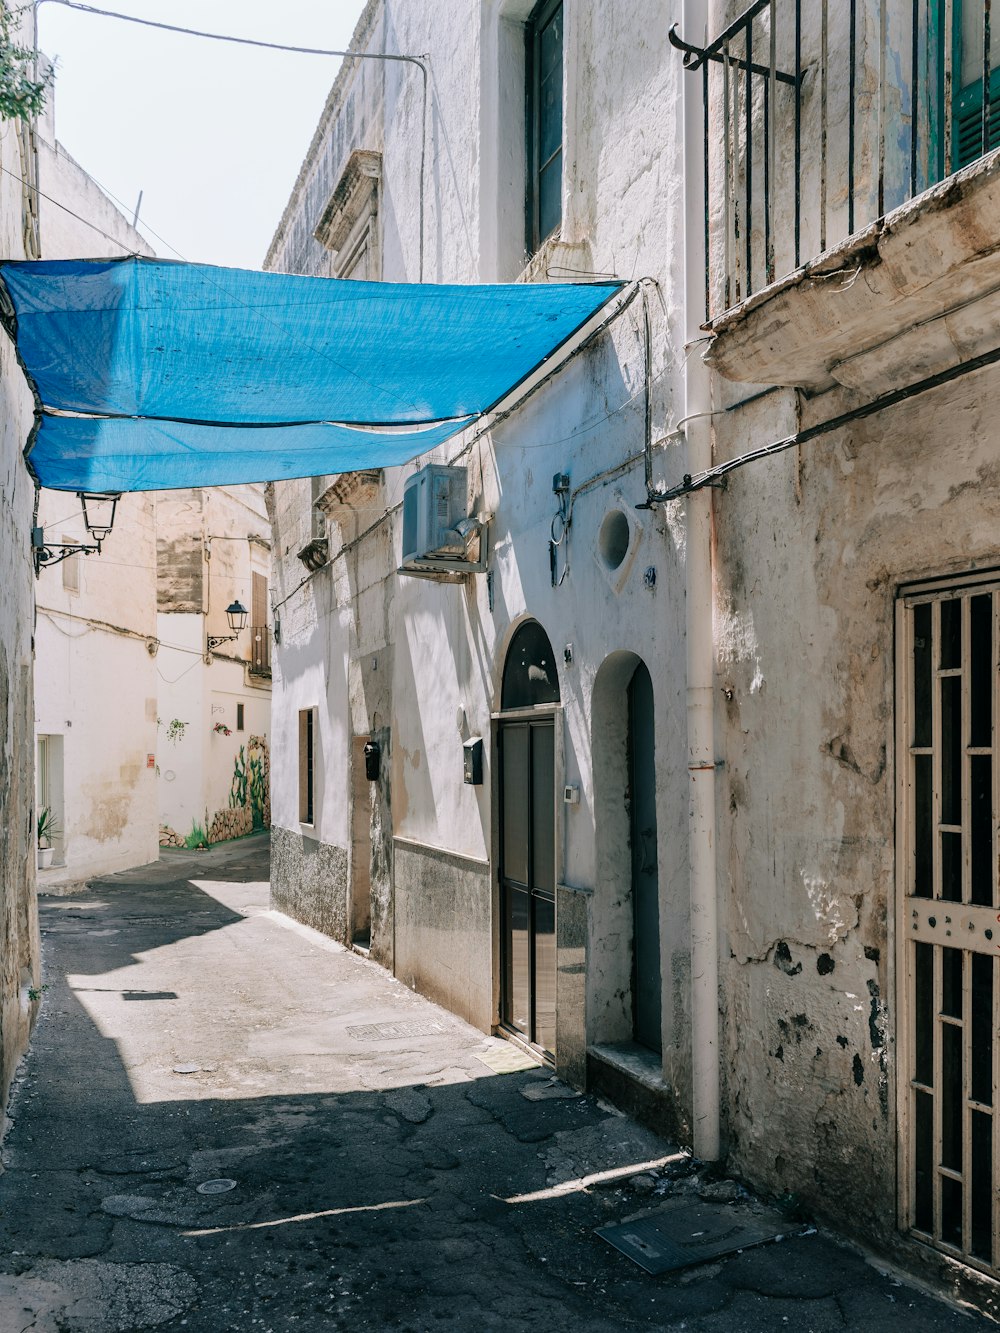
{"x": 95, "y": 683}
{"x": 209, "y": 542}
{"x": 423, "y": 661}
{"x": 811, "y": 551}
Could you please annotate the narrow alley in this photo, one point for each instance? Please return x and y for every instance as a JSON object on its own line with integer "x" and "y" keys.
{"x": 227, "y": 1121}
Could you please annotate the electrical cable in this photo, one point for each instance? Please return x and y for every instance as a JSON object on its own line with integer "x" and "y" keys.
{"x": 490, "y": 425}
{"x": 713, "y": 476}
{"x": 419, "y": 61}
{"x": 86, "y": 221}
{"x": 228, "y": 37}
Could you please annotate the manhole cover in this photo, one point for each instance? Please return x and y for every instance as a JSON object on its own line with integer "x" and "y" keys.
{"x": 216, "y": 1186}
{"x": 186, "y": 1069}
{"x": 391, "y": 1031}
{"x": 690, "y": 1233}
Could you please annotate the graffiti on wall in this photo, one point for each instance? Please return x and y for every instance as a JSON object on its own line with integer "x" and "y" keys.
{"x": 249, "y": 806}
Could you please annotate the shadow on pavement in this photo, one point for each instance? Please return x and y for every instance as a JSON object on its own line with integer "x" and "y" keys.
{"x": 363, "y": 1193}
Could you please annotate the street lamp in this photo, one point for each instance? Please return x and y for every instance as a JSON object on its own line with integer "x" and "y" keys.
{"x": 99, "y": 513}
{"x": 98, "y": 516}
{"x": 236, "y": 614}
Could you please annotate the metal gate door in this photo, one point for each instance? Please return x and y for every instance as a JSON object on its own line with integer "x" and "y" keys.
{"x": 527, "y": 880}
{"x": 948, "y": 923}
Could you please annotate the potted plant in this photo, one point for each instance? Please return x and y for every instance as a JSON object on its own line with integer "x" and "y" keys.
{"x": 47, "y": 830}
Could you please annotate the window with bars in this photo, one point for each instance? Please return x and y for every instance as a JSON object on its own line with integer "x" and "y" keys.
{"x": 948, "y": 925}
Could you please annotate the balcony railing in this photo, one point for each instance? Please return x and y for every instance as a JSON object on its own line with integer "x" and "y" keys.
{"x": 822, "y": 115}
{"x": 260, "y": 650}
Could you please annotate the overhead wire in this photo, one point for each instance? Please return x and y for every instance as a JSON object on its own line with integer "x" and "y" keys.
{"x": 419, "y": 61}
{"x": 66, "y": 209}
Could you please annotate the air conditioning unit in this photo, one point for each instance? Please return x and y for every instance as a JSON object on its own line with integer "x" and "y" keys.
{"x": 440, "y": 540}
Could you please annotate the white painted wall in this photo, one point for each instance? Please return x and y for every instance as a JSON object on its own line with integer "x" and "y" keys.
{"x": 96, "y": 691}
{"x": 96, "y": 687}
{"x": 210, "y": 542}
{"x": 445, "y": 645}
{"x": 19, "y": 943}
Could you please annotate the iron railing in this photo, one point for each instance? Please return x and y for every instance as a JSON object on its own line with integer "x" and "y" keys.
{"x": 260, "y": 650}
{"x": 820, "y": 116}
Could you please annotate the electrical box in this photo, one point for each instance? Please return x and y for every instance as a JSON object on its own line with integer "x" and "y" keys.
{"x": 437, "y": 529}
{"x": 473, "y": 752}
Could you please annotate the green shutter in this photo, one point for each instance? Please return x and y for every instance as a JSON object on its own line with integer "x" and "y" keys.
{"x": 967, "y": 108}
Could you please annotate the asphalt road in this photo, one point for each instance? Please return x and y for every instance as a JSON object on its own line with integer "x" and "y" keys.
{"x": 227, "y": 1122}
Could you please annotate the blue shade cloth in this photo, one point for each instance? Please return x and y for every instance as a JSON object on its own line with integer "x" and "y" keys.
{"x": 88, "y": 454}
{"x": 187, "y": 353}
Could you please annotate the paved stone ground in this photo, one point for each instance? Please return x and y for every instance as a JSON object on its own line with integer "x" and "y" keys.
{"x": 387, "y": 1176}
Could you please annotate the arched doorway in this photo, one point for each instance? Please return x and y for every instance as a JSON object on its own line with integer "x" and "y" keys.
{"x": 646, "y": 983}
{"x": 624, "y": 987}
{"x": 526, "y": 751}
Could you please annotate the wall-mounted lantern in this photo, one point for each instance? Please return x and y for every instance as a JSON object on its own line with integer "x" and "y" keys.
{"x": 98, "y": 516}
{"x": 372, "y": 756}
{"x": 236, "y": 614}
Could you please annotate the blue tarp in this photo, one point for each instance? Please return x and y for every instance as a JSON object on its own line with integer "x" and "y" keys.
{"x": 189, "y": 375}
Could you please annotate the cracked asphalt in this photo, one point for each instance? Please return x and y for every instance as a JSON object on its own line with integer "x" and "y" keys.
{"x": 370, "y": 1160}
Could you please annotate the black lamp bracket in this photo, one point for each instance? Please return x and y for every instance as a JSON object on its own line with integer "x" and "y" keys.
{"x": 53, "y": 553}
{"x": 215, "y": 639}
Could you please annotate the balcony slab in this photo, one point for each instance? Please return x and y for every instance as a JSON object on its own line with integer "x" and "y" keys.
{"x": 912, "y": 294}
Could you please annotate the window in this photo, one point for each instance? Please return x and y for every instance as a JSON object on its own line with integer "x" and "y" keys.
{"x": 307, "y": 764}
{"x": 544, "y": 89}
{"x": 260, "y": 634}
{"x": 239, "y": 717}
{"x": 349, "y": 226}
{"x": 971, "y": 19}
{"x": 948, "y": 936}
{"x": 71, "y": 568}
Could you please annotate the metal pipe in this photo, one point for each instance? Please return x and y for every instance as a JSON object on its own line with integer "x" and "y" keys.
{"x": 824, "y": 92}
{"x": 770, "y": 135}
{"x": 914, "y": 91}
{"x": 748, "y": 157}
{"x": 712, "y": 476}
{"x": 883, "y": 26}
{"x": 728, "y": 156}
{"x": 705, "y": 1055}
{"x": 949, "y": 76}
{"x": 852, "y": 85}
{"x": 986, "y": 76}
{"x": 798, "y": 133}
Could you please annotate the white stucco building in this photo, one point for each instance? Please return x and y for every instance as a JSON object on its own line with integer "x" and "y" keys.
{"x": 733, "y": 856}
{"x": 214, "y": 679}
{"x": 140, "y": 723}
{"x": 95, "y": 677}
{"x": 570, "y": 640}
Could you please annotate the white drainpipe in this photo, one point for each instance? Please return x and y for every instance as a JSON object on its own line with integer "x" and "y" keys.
{"x": 705, "y": 1055}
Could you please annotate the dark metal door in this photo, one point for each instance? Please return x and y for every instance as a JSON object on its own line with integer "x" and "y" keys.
{"x": 646, "y": 985}
{"x": 527, "y": 880}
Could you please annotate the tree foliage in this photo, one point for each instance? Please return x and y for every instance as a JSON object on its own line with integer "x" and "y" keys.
{"x": 21, "y": 92}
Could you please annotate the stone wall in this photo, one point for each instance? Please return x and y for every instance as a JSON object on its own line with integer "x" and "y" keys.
{"x": 309, "y": 881}
{"x": 444, "y": 938}
{"x": 19, "y": 942}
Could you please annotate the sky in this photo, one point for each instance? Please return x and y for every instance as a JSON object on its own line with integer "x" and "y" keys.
{"x": 212, "y": 134}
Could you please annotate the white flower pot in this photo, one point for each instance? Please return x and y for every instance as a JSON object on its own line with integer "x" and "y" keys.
{"x": 44, "y": 857}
